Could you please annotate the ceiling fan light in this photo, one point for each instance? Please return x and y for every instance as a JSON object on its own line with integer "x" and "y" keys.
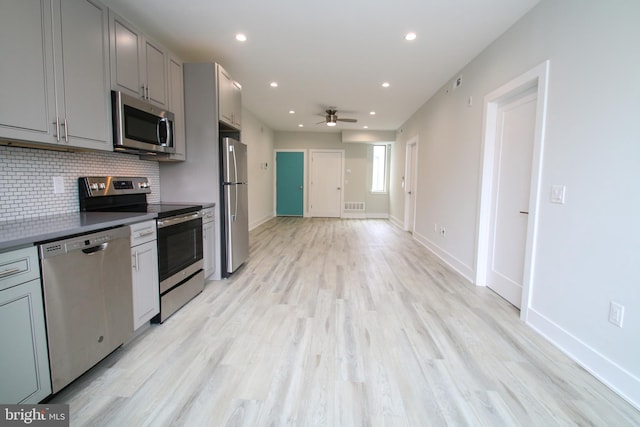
{"x": 331, "y": 123}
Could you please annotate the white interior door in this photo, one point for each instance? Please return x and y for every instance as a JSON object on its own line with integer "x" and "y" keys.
{"x": 325, "y": 196}
{"x": 512, "y": 182}
{"x": 410, "y": 181}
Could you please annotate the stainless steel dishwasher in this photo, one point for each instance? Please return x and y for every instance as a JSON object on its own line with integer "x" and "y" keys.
{"x": 88, "y": 300}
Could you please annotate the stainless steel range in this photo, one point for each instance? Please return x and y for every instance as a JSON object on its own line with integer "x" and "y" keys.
{"x": 180, "y": 263}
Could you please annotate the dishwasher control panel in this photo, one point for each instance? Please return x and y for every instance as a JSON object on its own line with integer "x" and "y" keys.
{"x": 87, "y": 243}
{"x": 83, "y": 242}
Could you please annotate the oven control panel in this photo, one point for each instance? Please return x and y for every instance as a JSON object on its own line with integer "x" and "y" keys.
{"x": 96, "y": 186}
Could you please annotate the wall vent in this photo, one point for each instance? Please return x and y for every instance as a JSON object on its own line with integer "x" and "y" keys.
{"x": 354, "y": 206}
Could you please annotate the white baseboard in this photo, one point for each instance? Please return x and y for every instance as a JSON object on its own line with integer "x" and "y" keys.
{"x": 377, "y": 216}
{"x": 397, "y": 222}
{"x": 361, "y": 215}
{"x": 353, "y": 215}
{"x": 608, "y": 372}
{"x": 259, "y": 222}
{"x": 450, "y": 260}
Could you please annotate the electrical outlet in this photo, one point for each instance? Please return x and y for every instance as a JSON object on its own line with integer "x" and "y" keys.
{"x": 558, "y": 194}
{"x": 58, "y": 185}
{"x": 616, "y": 314}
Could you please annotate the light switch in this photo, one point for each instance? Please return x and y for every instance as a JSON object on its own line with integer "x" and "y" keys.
{"x": 558, "y": 193}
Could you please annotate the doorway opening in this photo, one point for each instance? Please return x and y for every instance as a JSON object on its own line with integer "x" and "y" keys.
{"x": 290, "y": 182}
{"x": 326, "y": 178}
{"x": 409, "y": 183}
{"x": 495, "y": 215}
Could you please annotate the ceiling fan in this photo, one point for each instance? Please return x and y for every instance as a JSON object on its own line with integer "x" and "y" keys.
{"x": 331, "y": 117}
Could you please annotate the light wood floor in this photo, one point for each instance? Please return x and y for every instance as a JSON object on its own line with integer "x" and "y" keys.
{"x": 342, "y": 323}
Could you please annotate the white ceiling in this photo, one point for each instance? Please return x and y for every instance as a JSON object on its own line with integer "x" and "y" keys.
{"x": 329, "y": 53}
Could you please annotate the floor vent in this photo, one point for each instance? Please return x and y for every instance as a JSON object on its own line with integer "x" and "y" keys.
{"x": 354, "y": 206}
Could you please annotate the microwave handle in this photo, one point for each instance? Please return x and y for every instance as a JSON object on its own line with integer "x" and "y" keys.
{"x": 167, "y": 129}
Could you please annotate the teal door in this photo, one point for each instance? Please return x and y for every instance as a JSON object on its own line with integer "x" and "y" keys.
{"x": 289, "y": 183}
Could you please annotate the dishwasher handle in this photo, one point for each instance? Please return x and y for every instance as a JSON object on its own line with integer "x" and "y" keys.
{"x": 94, "y": 249}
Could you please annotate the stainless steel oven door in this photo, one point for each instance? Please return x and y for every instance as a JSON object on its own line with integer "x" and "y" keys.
{"x": 179, "y": 248}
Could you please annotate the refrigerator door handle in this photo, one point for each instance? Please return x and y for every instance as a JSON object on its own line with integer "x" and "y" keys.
{"x": 235, "y": 180}
{"x": 235, "y": 167}
{"x": 235, "y": 212}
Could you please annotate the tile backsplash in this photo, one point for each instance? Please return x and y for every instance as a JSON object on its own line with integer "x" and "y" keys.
{"x": 27, "y": 178}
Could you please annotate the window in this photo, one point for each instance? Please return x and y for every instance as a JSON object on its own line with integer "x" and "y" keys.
{"x": 379, "y": 175}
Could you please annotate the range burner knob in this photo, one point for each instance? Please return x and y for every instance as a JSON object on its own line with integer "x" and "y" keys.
{"x": 144, "y": 185}
{"x": 102, "y": 185}
{"x": 94, "y": 186}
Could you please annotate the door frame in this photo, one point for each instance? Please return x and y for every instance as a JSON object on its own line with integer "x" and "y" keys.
{"x": 410, "y": 176}
{"x": 342, "y": 155}
{"x": 305, "y": 174}
{"x": 537, "y": 77}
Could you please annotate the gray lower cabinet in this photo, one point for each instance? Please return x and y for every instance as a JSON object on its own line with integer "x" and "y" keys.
{"x": 55, "y": 73}
{"x": 144, "y": 263}
{"x": 208, "y": 242}
{"x": 24, "y": 361}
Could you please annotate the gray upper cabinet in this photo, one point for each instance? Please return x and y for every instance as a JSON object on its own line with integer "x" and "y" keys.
{"x": 138, "y": 65}
{"x": 229, "y": 99}
{"x": 176, "y": 106}
{"x": 55, "y": 73}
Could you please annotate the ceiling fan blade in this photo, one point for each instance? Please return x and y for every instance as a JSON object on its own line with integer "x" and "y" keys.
{"x": 324, "y": 121}
{"x": 347, "y": 120}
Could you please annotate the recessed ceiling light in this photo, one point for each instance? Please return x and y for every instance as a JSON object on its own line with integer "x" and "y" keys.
{"x": 241, "y": 37}
{"x": 291, "y": 112}
{"x": 365, "y": 127}
{"x": 410, "y": 36}
{"x": 300, "y": 125}
{"x": 274, "y": 84}
{"x": 373, "y": 113}
{"x": 385, "y": 84}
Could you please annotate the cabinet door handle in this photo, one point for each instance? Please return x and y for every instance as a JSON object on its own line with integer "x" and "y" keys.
{"x": 145, "y": 233}
{"x": 9, "y": 272}
{"x": 135, "y": 261}
{"x": 57, "y": 123}
{"x": 66, "y": 131}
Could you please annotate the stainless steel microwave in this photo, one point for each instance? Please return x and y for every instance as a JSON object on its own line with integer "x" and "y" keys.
{"x": 140, "y": 127}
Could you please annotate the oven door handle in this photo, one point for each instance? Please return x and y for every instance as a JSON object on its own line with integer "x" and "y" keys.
{"x": 167, "y": 222}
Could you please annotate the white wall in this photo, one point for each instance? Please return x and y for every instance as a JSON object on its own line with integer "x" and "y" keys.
{"x": 588, "y": 250}
{"x": 259, "y": 139}
{"x": 358, "y": 159}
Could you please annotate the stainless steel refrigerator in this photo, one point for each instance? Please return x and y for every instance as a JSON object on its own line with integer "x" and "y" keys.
{"x": 234, "y": 205}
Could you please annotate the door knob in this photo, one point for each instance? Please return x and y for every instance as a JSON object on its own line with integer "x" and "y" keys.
{"x": 300, "y": 188}
{"x": 338, "y": 188}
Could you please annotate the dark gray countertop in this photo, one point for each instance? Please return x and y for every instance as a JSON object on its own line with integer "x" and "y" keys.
{"x": 26, "y": 232}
